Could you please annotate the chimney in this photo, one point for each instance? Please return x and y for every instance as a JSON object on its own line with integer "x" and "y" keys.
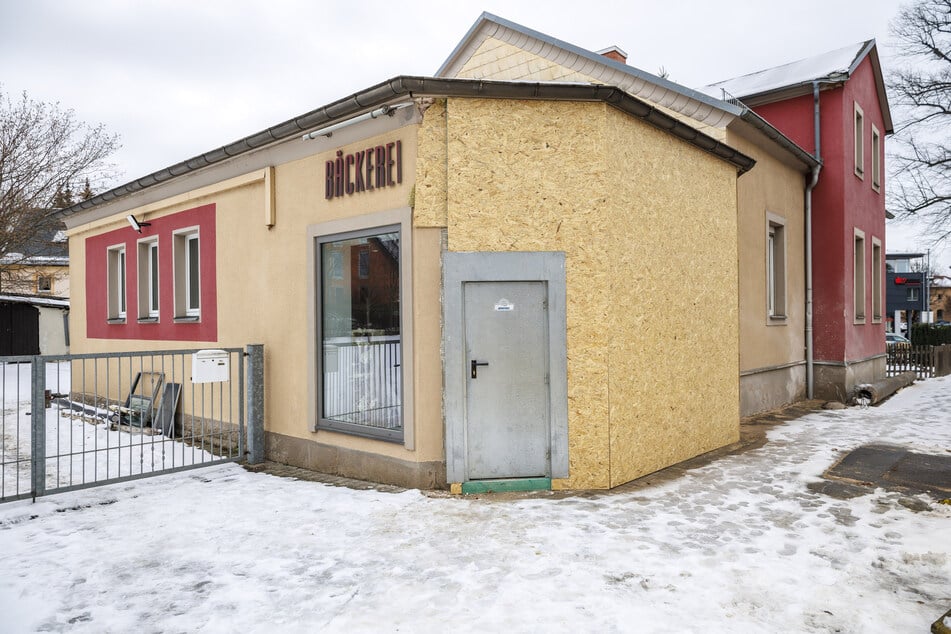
{"x": 615, "y": 53}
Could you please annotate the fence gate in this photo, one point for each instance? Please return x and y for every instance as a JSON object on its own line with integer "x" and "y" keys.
{"x": 76, "y": 421}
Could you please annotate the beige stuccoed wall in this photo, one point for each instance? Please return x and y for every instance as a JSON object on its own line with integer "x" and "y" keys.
{"x": 642, "y": 217}
{"x": 772, "y": 352}
{"x": 262, "y": 289}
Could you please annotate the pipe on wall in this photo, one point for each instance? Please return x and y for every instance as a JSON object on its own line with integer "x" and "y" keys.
{"x": 810, "y": 366}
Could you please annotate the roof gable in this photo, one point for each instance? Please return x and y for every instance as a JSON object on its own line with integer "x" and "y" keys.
{"x": 487, "y": 51}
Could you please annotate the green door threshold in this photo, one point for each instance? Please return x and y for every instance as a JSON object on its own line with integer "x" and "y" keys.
{"x": 509, "y": 484}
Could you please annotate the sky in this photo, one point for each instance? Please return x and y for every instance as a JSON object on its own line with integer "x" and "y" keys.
{"x": 740, "y": 545}
{"x": 176, "y": 78}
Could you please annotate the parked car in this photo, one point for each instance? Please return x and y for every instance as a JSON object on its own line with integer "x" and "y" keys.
{"x": 895, "y": 339}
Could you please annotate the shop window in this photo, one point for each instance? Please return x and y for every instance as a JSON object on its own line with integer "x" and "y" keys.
{"x": 44, "y": 284}
{"x": 876, "y": 159}
{"x": 776, "y": 267}
{"x": 187, "y": 266}
{"x": 877, "y": 288}
{"x": 859, "y": 142}
{"x": 148, "y": 286}
{"x": 858, "y": 281}
{"x": 359, "y": 333}
{"x": 116, "y": 273}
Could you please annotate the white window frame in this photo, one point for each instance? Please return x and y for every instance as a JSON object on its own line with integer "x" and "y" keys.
{"x": 775, "y": 268}
{"x": 116, "y": 282}
{"x": 182, "y": 273}
{"x": 913, "y": 294}
{"x": 859, "y": 144}
{"x": 859, "y": 295}
{"x": 876, "y": 159}
{"x": 147, "y": 272}
{"x": 878, "y": 299}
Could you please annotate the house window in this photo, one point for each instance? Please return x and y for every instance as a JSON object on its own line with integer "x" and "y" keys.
{"x": 775, "y": 267}
{"x": 44, "y": 284}
{"x": 115, "y": 267}
{"x": 359, "y": 333}
{"x": 877, "y": 288}
{"x": 913, "y": 295}
{"x": 148, "y": 261}
{"x": 876, "y": 159}
{"x": 187, "y": 265}
{"x": 859, "y": 142}
{"x": 858, "y": 281}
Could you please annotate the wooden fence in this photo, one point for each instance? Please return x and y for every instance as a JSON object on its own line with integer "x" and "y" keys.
{"x": 925, "y": 361}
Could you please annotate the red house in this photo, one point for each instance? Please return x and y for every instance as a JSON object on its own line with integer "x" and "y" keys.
{"x": 834, "y": 105}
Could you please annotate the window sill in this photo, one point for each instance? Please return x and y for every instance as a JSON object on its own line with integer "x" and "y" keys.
{"x": 148, "y": 320}
{"x": 187, "y": 320}
{"x": 116, "y": 320}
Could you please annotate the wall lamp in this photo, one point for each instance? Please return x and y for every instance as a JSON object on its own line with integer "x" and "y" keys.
{"x": 136, "y": 224}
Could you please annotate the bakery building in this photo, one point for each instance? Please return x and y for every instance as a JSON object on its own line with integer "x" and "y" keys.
{"x": 456, "y": 281}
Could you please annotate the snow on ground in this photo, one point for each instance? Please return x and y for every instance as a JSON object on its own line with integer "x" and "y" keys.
{"x": 79, "y": 449}
{"x": 740, "y": 545}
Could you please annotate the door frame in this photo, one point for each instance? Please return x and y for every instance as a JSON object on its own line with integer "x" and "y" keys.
{"x": 459, "y": 268}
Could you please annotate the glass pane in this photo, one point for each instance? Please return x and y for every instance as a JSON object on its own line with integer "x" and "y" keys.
{"x": 153, "y": 274}
{"x": 120, "y": 287}
{"x": 360, "y": 326}
{"x": 192, "y": 267}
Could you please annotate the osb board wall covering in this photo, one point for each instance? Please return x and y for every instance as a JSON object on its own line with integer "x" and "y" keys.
{"x": 429, "y": 197}
{"x": 648, "y": 226}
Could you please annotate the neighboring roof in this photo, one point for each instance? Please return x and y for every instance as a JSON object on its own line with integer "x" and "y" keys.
{"x": 903, "y": 256}
{"x": 796, "y": 78}
{"x": 699, "y": 106}
{"x": 48, "y": 246}
{"x": 404, "y": 87}
{"x": 35, "y": 300}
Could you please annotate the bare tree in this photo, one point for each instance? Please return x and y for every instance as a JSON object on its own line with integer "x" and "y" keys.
{"x": 44, "y": 152}
{"x": 921, "y": 162}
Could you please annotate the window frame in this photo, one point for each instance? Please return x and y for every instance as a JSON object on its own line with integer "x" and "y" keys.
{"x": 182, "y": 273}
{"x": 859, "y": 140}
{"x": 913, "y": 291}
{"x": 148, "y": 270}
{"x": 40, "y": 290}
{"x": 859, "y": 294}
{"x": 876, "y": 159}
{"x": 116, "y": 280}
{"x": 878, "y": 290}
{"x": 399, "y": 219}
{"x": 776, "y": 269}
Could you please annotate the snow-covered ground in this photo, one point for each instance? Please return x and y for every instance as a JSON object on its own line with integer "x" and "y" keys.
{"x": 740, "y": 545}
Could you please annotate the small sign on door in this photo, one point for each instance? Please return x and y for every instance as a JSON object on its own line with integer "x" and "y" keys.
{"x": 504, "y": 305}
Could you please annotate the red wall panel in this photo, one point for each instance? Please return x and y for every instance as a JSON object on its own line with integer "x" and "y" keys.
{"x": 165, "y": 329}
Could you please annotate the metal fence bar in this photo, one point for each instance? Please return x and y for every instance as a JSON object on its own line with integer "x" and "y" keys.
{"x": 255, "y": 404}
{"x": 38, "y": 425}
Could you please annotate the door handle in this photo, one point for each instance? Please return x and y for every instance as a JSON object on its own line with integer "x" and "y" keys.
{"x": 474, "y": 366}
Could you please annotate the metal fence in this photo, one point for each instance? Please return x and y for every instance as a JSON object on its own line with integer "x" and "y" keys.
{"x": 925, "y": 361}
{"x": 76, "y": 421}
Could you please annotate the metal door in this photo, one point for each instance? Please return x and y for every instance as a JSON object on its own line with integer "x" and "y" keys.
{"x": 507, "y": 396}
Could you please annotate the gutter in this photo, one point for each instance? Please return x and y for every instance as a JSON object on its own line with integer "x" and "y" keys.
{"x": 403, "y": 87}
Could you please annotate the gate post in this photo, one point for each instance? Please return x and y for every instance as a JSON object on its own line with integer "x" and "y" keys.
{"x": 255, "y": 396}
{"x": 38, "y": 427}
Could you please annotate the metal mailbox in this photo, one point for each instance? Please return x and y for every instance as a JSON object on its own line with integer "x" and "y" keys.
{"x": 210, "y": 366}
